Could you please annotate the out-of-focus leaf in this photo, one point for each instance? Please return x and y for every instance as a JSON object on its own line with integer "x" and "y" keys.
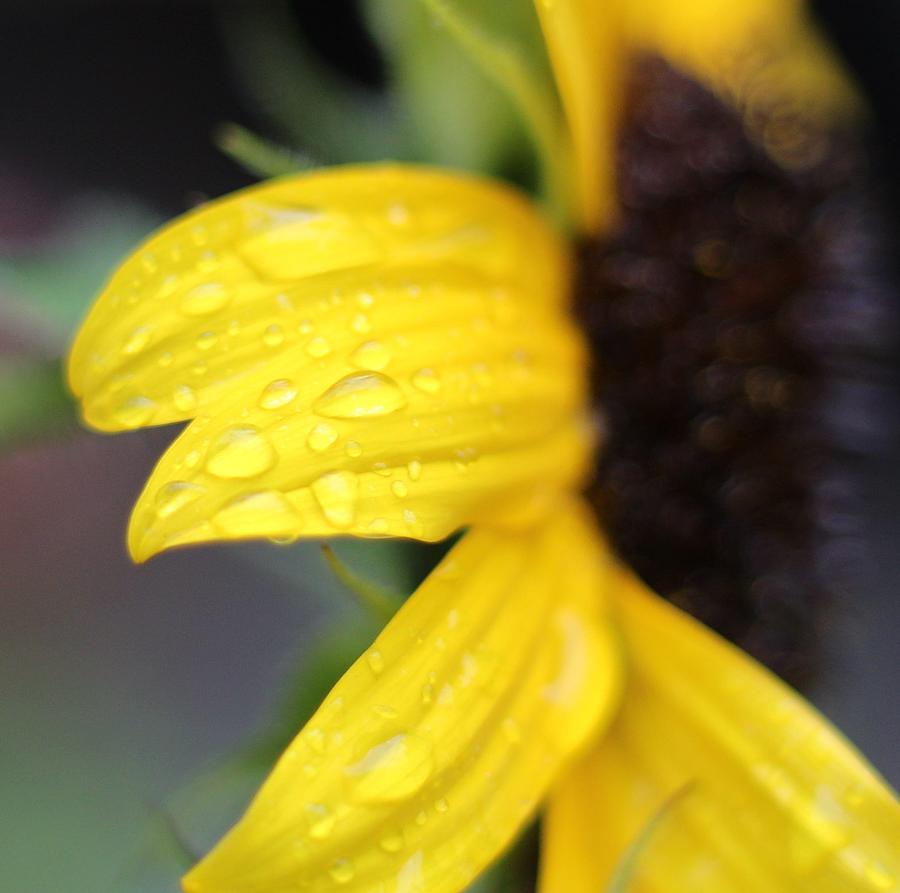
{"x": 257, "y": 155}
{"x": 456, "y": 115}
{"x": 33, "y": 401}
{"x": 53, "y": 286}
{"x": 313, "y": 106}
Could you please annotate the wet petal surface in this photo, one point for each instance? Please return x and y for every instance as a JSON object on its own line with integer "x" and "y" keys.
{"x": 438, "y": 744}
{"x": 772, "y": 798}
{"x": 375, "y": 351}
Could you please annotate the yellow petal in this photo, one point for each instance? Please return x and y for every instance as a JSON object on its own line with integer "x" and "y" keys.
{"x": 372, "y": 350}
{"x": 774, "y": 799}
{"x": 584, "y": 41}
{"x": 757, "y": 54}
{"x": 436, "y": 746}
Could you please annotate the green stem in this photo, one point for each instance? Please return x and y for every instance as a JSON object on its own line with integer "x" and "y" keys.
{"x": 381, "y": 602}
{"x": 506, "y": 67}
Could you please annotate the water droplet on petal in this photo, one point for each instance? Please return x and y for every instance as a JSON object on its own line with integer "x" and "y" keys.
{"x": 184, "y": 398}
{"x": 273, "y": 335}
{"x": 175, "y": 495}
{"x": 336, "y": 494}
{"x": 240, "y": 452}
{"x": 321, "y": 820}
{"x": 135, "y": 411}
{"x": 206, "y": 340}
{"x": 391, "y": 842}
{"x": 392, "y": 770}
{"x": 442, "y": 805}
{"x": 321, "y": 437}
{"x": 371, "y": 355}
{"x": 360, "y": 324}
{"x": 511, "y": 730}
{"x": 375, "y": 660}
{"x": 204, "y": 299}
{"x": 293, "y": 243}
{"x": 265, "y": 513}
{"x": 315, "y": 738}
{"x": 353, "y": 449}
{"x": 277, "y": 393}
{"x": 166, "y": 359}
{"x": 414, "y": 469}
{"x": 427, "y": 381}
{"x": 399, "y": 489}
{"x": 359, "y": 395}
{"x": 137, "y": 340}
{"x": 318, "y": 347}
{"x": 342, "y": 871}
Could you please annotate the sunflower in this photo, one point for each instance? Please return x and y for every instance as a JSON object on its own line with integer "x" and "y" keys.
{"x": 388, "y": 351}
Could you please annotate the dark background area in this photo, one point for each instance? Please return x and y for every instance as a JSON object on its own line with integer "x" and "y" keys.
{"x": 123, "y": 680}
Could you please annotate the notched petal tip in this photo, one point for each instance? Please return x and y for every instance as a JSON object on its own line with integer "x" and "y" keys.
{"x": 377, "y": 351}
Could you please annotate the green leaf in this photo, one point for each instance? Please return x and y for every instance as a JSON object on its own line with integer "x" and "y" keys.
{"x": 52, "y": 286}
{"x": 34, "y": 402}
{"x": 459, "y": 112}
{"x": 313, "y": 106}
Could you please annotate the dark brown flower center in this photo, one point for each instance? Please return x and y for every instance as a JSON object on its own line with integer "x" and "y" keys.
{"x": 716, "y": 310}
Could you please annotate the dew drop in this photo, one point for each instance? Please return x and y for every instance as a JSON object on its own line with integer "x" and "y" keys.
{"x": 137, "y": 340}
{"x": 315, "y": 738}
{"x": 321, "y": 820}
{"x": 378, "y": 526}
{"x": 427, "y": 381}
{"x": 176, "y": 495}
{"x": 411, "y": 519}
{"x": 184, "y": 398}
{"x": 392, "y": 770}
{"x": 371, "y": 355}
{"x": 305, "y": 326}
{"x": 353, "y": 449}
{"x": 206, "y": 340}
{"x": 336, "y": 494}
{"x": 135, "y": 411}
{"x": 361, "y": 324}
{"x": 391, "y": 842}
{"x": 166, "y": 359}
{"x": 321, "y": 437}
{"x": 273, "y": 335}
{"x": 318, "y": 347}
{"x": 342, "y": 871}
{"x": 399, "y": 489}
{"x": 442, "y": 805}
{"x": 511, "y": 730}
{"x": 277, "y": 393}
{"x": 359, "y": 395}
{"x": 264, "y": 513}
{"x": 204, "y": 299}
{"x": 414, "y": 469}
{"x": 375, "y": 660}
{"x": 240, "y": 452}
